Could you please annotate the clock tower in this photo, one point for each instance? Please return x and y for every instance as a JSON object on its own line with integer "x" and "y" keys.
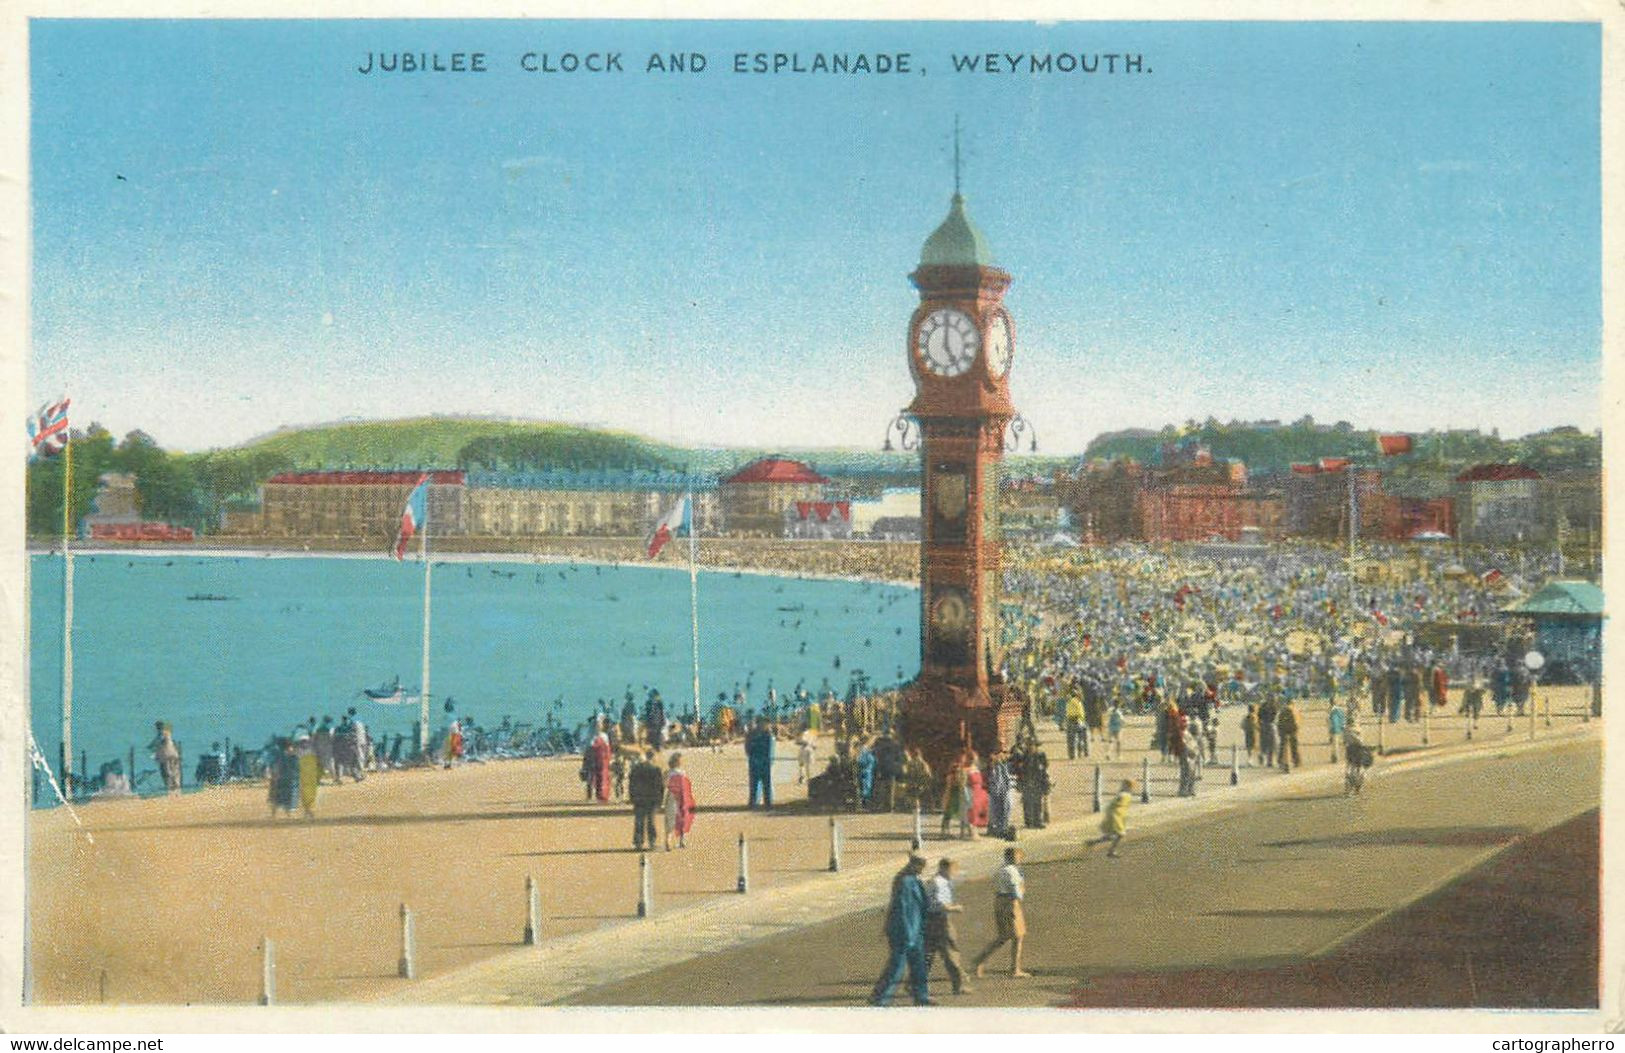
{"x": 960, "y": 344}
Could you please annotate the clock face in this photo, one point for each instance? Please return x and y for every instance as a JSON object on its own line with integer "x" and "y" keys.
{"x": 948, "y": 342}
{"x": 949, "y": 614}
{"x": 998, "y": 346}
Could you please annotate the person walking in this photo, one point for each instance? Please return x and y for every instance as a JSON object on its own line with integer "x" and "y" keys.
{"x": 804, "y": 757}
{"x": 1009, "y": 890}
{"x": 905, "y": 937}
{"x": 167, "y": 756}
{"x": 1288, "y": 723}
{"x": 1501, "y": 686}
{"x": 1000, "y": 797}
{"x": 679, "y": 802}
{"x": 916, "y": 780}
{"x": 1077, "y": 732}
{"x": 956, "y": 802}
{"x": 940, "y": 935}
{"x": 1187, "y": 753}
{"x": 1114, "y": 730}
{"x": 1357, "y": 757}
{"x": 310, "y": 774}
{"x": 321, "y": 743}
{"x": 596, "y": 768}
{"x": 363, "y": 745}
{"x": 866, "y": 773}
{"x": 1336, "y": 722}
{"x": 759, "y": 762}
{"x": 283, "y": 777}
{"x": 1472, "y": 699}
{"x": 1034, "y": 783}
{"x": 976, "y": 782}
{"x": 647, "y": 789}
{"x": 1114, "y": 823}
{"x": 1397, "y": 701}
{"x": 1268, "y": 711}
{"x": 1413, "y": 693}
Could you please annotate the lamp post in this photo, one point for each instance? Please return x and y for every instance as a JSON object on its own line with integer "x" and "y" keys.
{"x": 1013, "y": 432}
{"x": 907, "y": 428}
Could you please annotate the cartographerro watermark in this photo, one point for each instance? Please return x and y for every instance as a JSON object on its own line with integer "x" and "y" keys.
{"x": 1548, "y": 1045}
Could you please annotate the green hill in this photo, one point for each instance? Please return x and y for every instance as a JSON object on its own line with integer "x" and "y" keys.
{"x": 1271, "y": 447}
{"x": 465, "y": 442}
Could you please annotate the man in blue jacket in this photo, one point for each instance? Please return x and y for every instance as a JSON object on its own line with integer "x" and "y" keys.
{"x": 759, "y": 755}
{"x": 905, "y": 933}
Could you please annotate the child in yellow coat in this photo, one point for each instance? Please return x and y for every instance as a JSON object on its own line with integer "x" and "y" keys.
{"x": 1114, "y": 824}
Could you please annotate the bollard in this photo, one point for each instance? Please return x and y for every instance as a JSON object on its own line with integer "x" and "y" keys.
{"x": 1145, "y": 779}
{"x": 533, "y": 911}
{"x": 268, "y": 972}
{"x": 101, "y": 986}
{"x": 1235, "y": 765}
{"x": 744, "y": 866}
{"x": 130, "y": 771}
{"x": 919, "y": 828}
{"x": 1098, "y": 778}
{"x": 834, "y": 846}
{"x": 1547, "y": 700}
{"x": 1427, "y": 710}
{"x": 1531, "y": 718}
{"x": 645, "y": 889}
{"x": 408, "y": 969}
{"x": 1381, "y": 725}
{"x": 33, "y": 770}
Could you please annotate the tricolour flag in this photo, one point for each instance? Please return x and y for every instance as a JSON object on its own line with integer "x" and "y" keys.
{"x": 668, "y": 526}
{"x": 48, "y": 430}
{"x": 413, "y": 515}
{"x": 1394, "y": 445}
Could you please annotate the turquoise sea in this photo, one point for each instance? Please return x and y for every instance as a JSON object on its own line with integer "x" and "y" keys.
{"x": 297, "y": 637}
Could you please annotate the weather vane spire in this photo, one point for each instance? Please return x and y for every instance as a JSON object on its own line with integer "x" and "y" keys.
{"x": 956, "y": 155}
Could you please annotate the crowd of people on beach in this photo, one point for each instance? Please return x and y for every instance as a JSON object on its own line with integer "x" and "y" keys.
{"x": 1094, "y": 636}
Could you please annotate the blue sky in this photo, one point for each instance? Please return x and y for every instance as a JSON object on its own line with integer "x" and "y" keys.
{"x": 1393, "y": 224}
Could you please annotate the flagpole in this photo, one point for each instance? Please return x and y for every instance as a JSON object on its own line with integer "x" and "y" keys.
{"x": 423, "y": 700}
{"x": 694, "y": 596}
{"x": 67, "y": 618}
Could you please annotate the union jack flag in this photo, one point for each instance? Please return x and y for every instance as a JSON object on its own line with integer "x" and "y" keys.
{"x": 48, "y": 430}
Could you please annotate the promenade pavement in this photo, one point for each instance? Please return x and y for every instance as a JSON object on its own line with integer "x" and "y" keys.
{"x": 167, "y": 900}
{"x": 1249, "y": 888}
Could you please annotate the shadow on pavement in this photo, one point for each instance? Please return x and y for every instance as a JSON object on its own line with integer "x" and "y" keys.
{"x": 1444, "y": 836}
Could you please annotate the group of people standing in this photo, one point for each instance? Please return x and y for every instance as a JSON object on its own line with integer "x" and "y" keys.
{"x": 979, "y": 793}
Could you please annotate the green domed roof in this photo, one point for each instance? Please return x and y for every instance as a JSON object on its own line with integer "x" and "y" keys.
{"x": 956, "y": 242}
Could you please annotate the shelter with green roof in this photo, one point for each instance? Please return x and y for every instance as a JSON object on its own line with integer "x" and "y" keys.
{"x": 1567, "y": 618}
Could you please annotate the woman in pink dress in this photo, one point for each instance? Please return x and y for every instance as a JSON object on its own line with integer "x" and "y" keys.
{"x": 600, "y": 769}
{"x": 978, "y": 794}
{"x": 679, "y": 802}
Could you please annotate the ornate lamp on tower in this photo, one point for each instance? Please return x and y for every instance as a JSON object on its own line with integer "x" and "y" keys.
{"x": 960, "y": 346}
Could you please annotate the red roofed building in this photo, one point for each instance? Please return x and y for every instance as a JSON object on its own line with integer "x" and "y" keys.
{"x": 1499, "y": 502}
{"x": 755, "y": 498}
{"x": 356, "y": 505}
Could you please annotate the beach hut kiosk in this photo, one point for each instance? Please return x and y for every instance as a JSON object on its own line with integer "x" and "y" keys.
{"x": 1567, "y": 619}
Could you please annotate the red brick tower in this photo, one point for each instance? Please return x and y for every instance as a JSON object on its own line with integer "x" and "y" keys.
{"x": 960, "y": 345}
